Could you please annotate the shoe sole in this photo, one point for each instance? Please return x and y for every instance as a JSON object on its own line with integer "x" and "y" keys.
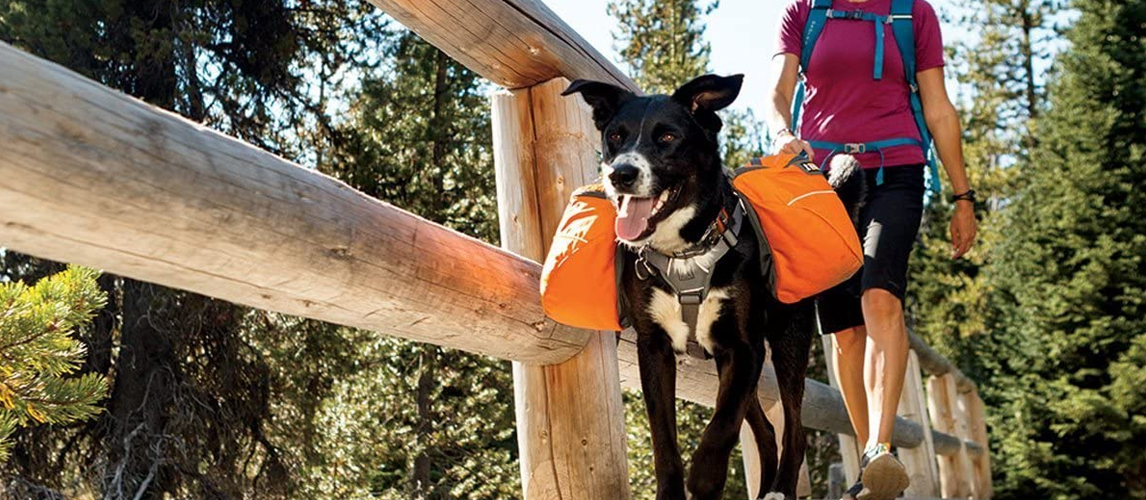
{"x": 884, "y": 478}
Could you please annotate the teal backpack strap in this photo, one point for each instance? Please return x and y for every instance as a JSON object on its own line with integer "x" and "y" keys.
{"x": 812, "y": 29}
{"x": 904, "y": 31}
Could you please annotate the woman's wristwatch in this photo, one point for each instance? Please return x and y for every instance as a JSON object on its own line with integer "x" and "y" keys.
{"x": 968, "y": 195}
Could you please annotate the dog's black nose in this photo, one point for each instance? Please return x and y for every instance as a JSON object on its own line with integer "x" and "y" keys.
{"x": 624, "y": 176}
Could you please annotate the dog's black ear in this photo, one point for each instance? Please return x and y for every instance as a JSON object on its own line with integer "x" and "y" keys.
{"x": 709, "y": 92}
{"x": 605, "y": 99}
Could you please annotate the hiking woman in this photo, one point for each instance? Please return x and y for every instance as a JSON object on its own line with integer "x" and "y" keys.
{"x": 859, "y": 102}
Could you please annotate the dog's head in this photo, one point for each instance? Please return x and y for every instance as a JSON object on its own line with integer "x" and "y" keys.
{"x": 658, "y": 152}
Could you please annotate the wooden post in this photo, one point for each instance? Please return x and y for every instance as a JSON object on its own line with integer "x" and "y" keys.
{"x": 962, "y": 414}
{"x": 979, "y": 434}
{"x": 919, "y": 461}
{"x": 954, "y": 470}
{"x": 849, "y": 447}
{"x": 570, "y": 419}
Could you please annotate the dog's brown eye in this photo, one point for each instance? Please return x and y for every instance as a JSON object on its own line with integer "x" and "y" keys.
{"x": 668, "y": 137}
{"x": 615, "y": 137}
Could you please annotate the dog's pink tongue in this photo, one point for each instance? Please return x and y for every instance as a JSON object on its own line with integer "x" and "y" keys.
{"x": 633, "y": 217}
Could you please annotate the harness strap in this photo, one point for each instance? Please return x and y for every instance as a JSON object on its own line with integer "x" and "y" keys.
{"x": 688, "y": 277}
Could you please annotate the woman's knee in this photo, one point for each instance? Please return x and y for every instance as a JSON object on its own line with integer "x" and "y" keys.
{"x": 880, "y": 304}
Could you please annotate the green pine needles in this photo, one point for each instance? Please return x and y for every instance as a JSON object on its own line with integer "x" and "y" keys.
{"x": 38, "y": 352}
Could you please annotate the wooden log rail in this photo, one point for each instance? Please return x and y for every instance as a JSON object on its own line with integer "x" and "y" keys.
{"x": 513, "y": 43}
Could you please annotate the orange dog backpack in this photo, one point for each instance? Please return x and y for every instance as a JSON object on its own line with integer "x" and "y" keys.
{"x": 810, "y": 236}
{"x": 580, "y": 281}
{"x": 808, "y": 242}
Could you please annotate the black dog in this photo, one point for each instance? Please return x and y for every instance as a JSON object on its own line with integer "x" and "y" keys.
{"x": 661, "y": 167}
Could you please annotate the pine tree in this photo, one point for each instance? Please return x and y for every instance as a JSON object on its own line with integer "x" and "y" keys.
{"x": 662, "y": 41}
{"x": 40, "y": 356}
{"x": 1071, "y": 277}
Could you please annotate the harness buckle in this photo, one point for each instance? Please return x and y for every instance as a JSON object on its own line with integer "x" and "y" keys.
{"x": 691, "y": 297}
{"x": 855, "y": 148}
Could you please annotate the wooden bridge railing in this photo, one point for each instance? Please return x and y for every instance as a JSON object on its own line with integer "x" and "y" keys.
{"x": 95, "y": 177}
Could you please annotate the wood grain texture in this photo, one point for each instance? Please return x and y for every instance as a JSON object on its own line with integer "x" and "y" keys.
{"x": 95, "y": 177}
{"x": 514, "y": 43}
{"x": 920, "y": 462}
{"x": 570, "y": 417}
{"x": 954, "y": 481}
{"x": 962, "y": 417}
{"x": 982, "y": 461}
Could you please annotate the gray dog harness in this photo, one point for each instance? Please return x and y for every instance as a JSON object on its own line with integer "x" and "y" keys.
{"x": 689, "y": 273}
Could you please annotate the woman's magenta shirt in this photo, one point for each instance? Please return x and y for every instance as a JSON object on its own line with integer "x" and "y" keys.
{"x": 843, "y": 103}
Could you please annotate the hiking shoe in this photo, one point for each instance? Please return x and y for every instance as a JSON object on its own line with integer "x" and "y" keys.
{"x": 882, "y": 476}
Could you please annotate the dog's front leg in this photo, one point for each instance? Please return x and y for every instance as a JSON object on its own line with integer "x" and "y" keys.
{"x": 739, "y": 372}
{"x": 657, "y": 363}
{"x": 790, "y": 358}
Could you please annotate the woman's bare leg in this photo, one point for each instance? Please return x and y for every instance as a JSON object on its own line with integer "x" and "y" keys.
{"x": 849, "y": 364}
{"x": 886, "y": 362}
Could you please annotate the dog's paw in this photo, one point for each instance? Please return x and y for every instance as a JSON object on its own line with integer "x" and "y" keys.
{"x": 774, "y": 496}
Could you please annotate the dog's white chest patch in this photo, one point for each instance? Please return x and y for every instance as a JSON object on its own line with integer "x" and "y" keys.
{"x": 665, "y": 310}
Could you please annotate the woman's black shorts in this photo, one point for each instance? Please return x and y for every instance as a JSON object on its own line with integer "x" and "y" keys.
{"x": 888, "y": 225}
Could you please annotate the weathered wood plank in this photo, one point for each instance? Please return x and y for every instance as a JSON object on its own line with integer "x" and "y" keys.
{"x": 963, "y": 431}
{"x": 514, "y": 43}
{"x": 942, "y": 395}
{"x": 95, "y": 177}
{"x": 570, "y": 418}
{"x": 978, "y": 427}
{"x": 920, "y": 462}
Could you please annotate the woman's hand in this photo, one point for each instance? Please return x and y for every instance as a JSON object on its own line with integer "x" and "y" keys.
{"x": 964, "y": 227}
{"x": 787, "y": 143}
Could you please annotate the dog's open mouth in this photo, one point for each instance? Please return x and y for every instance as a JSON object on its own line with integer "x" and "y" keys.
{"x": 637, "y": 217}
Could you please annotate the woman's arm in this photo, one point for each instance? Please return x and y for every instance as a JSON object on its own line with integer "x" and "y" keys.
{"x": 786, "y": 68}
{"x": 943, "y": 122}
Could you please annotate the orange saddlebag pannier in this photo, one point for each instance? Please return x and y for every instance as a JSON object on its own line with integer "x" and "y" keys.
{"x": 810, "y": 236}
{"x": 808, "y": 242}
{"x": 579, "y": 282}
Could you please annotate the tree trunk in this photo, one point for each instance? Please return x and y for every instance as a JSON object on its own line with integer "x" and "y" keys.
{"x": 137, "y": 405}
{"x": 1030, "y": 88}
{"x": 422, "y": 465}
